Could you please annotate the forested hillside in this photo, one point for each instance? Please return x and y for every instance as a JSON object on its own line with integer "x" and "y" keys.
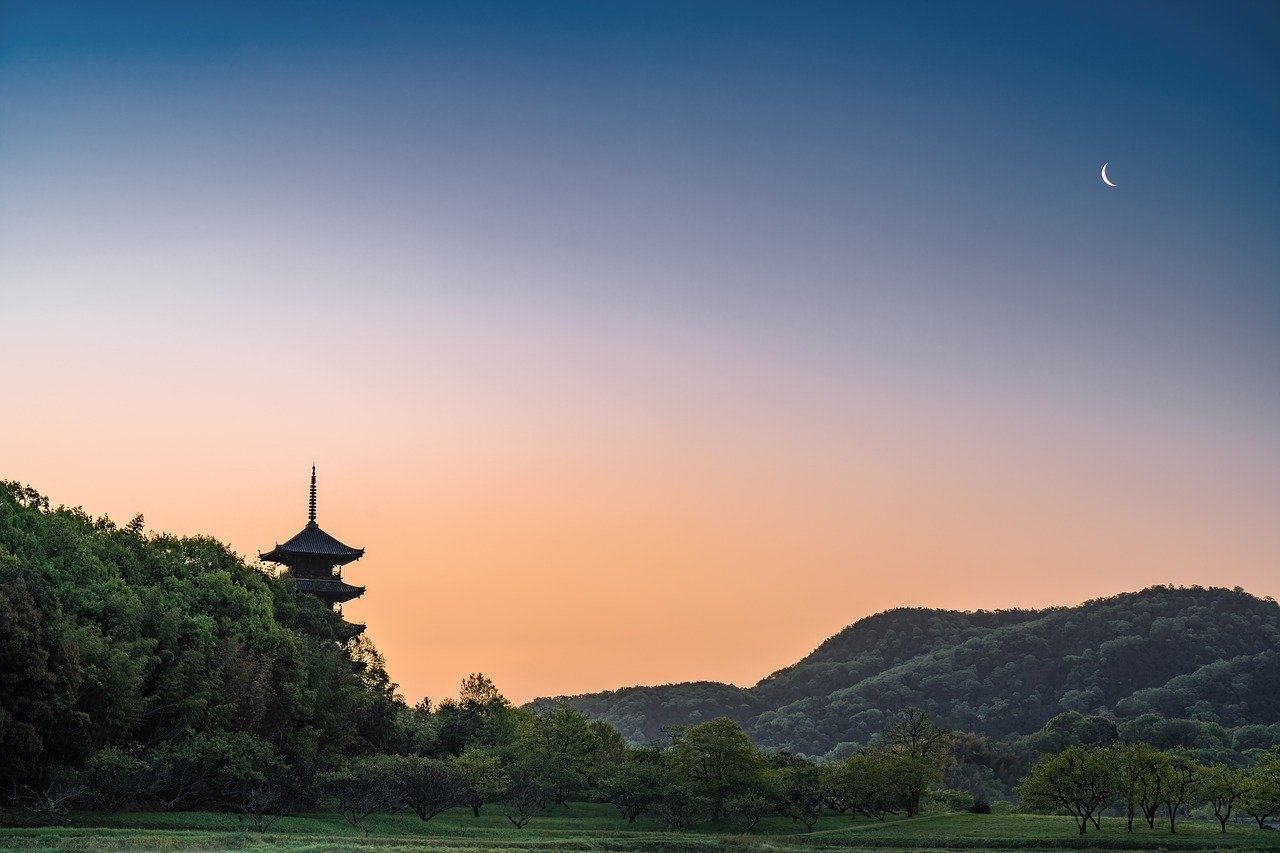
{"x": 1206, "y": 654}
{"x": 114, "y": 639}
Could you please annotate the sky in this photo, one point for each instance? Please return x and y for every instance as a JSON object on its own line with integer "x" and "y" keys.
{"x": 646, "y": 342}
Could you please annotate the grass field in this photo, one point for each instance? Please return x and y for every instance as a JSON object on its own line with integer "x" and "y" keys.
{"x": 596, "y": 827}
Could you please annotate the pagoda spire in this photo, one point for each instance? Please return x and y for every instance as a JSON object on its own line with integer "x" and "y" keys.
{"x": 315, "y": 560}
{"x": 311, "y": 513}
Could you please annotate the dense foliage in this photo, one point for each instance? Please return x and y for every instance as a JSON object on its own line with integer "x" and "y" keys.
{"x": 1208, "y": 655}
{"x": 167, "y": 658}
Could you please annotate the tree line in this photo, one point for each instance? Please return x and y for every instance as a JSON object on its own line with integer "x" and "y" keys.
{"x": 1140, "y": 780}
{"x": 480, "y": 752}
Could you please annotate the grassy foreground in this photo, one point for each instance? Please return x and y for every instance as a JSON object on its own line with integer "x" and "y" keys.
{"x": 597, "y": 827}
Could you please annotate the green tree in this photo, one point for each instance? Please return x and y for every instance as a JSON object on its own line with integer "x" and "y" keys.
{"x": 115, "y": 776}
{"x": 804, "y": 793}
{"x": 636, "y": 783}
{"x": 750, "y": 808}
{"x": 201, "y": 767}
{"x": 1261, "y": 796}
{"x": 482, "y": 772}
{"x": 1184, "y": 778}
{"x": 1222, "y": 787}
{"x": 916, "y": 751}
{"x": 481, "y": 714}
{"x": 1081, "y": 780}
{"x": 28, "y": 685}
{"x": 1141, "y": 777}
{"x": 561, "y": 749}
{"x": 684, "y": 804}
{"x": 857, "y": 784}
{"x": 524, "y": 798}
{"x": 611, "y": 753}
{"x": 115, "y": 638}
{"x": 716, "y": 759}
{"x": 260, "y": 788}
{"x": 418, "y": 726}
{"x": 1071, "y": 728}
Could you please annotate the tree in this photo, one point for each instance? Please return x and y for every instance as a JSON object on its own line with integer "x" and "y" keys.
{"x": 1184, "y": 776}
{"x": 635, "y": 784}
{"x": 252, "y": 780}
{"x": 524, "y": 799}
{"x": 481, "y": 714}
{"x": 1081, "y": 780}
{"x": 178, "y": 772}
{"x": 195, "y": 768}
{"x": 429, "y": 786}
{"x": 483, "y": 775}
{"x": 612, "y": 750}
{"x": 1141, "y": 778}
{"x": 262, "y": 803}
{"x": 362, "y": 788}
{"x": 419, "y": 729}
{"x": 750, "y": 808}
{"x": 804, "y": 794}
{"x": 28, "y": 682}
{"x": 1222, "y": 786}
{"x": 115, "y": 776}
{"x": 561, "y": 748}
{"x": 683, "y": 804}
{"x": 1071, "y": 728}
{"x": 61, "y": 790}
{"x": 916, "y": 752}
{"x": 908, "y": 778}
{"x": 1156, "y": 777}
{"x": 857, "y": 784}
{"x": 479, "y": 691}
{"x": 113, "y": 638}
{"x": 717, "y": 759}
{"x": 1261, "y": 796}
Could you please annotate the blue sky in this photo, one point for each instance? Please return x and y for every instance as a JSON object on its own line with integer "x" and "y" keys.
{"x": 860, "y": 252}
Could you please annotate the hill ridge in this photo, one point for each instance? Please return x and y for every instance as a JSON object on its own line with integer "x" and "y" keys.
{"x": 1211, "y": 653}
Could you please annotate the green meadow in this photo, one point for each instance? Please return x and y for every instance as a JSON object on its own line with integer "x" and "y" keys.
{"x": 596, "y": 827}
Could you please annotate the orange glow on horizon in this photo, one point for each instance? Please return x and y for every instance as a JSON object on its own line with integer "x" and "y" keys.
{"x": 715, "y": 539}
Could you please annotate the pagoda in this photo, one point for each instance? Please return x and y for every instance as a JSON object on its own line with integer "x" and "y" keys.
{"x": 315, "y": 560}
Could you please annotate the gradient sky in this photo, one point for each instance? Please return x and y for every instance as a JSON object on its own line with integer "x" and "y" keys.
{"x": 642, "y": 342}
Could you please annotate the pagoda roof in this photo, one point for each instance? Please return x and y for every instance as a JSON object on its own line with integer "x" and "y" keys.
{"x": 313, "y": 542}
{"x": 328, "y": 589}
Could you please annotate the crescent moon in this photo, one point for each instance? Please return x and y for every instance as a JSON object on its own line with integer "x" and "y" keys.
{"x": 1106, "y": 180}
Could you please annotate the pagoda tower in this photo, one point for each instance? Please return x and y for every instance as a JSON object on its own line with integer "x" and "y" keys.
{"x": 315, "y": 560}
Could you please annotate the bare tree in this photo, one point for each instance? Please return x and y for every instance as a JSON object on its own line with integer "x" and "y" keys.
{"x": 53, "y": 798}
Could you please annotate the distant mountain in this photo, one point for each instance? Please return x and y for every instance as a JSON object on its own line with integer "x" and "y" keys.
{"x": 1207, "y": 654}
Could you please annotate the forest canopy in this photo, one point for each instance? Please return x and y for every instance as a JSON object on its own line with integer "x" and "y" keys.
{"x": 116, "y": 639}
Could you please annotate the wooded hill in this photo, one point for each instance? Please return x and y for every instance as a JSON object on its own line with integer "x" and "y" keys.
{"x": 118, "y": 642}
{"x": 1205, "y": 654}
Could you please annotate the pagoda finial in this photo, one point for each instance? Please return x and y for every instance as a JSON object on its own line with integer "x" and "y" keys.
{"x": 311, "y": 515}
